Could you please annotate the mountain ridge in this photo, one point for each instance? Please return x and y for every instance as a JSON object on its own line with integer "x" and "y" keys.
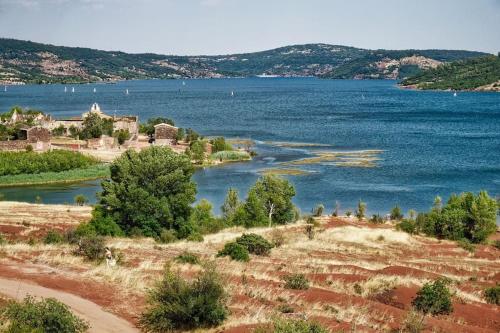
{"x": 31, "y": 62}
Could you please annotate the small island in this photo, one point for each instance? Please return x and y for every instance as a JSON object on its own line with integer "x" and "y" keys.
{"x": 477, "y": 74}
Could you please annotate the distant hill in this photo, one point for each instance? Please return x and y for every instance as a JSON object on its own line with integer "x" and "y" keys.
{"x": 29, "y": 62}
{"x": 472, "y": 74}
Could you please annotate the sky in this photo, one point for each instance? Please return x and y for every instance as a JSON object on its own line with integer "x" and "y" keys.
{"x": 196, "y": 27}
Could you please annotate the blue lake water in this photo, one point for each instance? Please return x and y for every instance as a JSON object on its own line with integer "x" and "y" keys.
{"x": 433, "y": 143}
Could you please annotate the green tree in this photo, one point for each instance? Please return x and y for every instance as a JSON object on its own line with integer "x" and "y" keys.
{"x": 80, "y": 200}
{"x": 149, "y": 127}
{"x": 396, "y": 213}
{"x": 150, "y": 190}
{"x": 180, "y": 135}
{"x": 361, "y": 211}
{"x": 275, "y": 195}
{"x": 92, "y": 126}
{"x": 231, "y": 204}
{"x": 122, "y": 136}
{"x": 203, "y": 219}
{"x": 220, "y": 144}
{"x": 434, "y": 298}
{"x": 198, "y": 151}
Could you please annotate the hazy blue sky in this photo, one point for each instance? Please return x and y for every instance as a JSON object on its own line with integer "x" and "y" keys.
{"x": 228, "y": 26}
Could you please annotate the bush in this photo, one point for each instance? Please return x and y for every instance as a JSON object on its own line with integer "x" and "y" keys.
{"x": 255, "y": 244}
{"x": 195, "y": 237}
{"x": 2, "y": 239}
{"x": 496, "y": 244}
{"x": 377, "y": 219}
{"x": 296, "y": 281}
{"x": 281, "y": 325}
{"x": 92, "y": 248}
{"x": 407, "y": 225}
{"x": 99, "y": 225}
{"x": 81, "y": 200}
{"x": 414, "y": 322}
{"x": 167, "y": 236}
{"x": 53, "y": 237}
{"x": 285, "y": 308}
{"x": 235, "y": 251}
{"x": 434, "y": 298}
{"x": 492, "y": 295}
{"x": 396, "y": 213}
{"x": 466, "y": 245}
{"x": 318, "y": 210}
{"x": 47, "y": 316}
{"x": 188, "y": 258}
{"x": 348, "y": 213}
{"x": 361, "y": 211}
{"x": 277, "y": 238}
{"x": 175, "y": 304}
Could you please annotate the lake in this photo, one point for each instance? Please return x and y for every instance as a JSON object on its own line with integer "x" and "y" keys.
{"x": 427, "y": 143}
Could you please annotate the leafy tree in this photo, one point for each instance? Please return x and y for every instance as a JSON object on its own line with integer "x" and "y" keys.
{"x": 175, "y": 304}
{"x": 361, "y": 211}
{"x": 318, "y": 210}
{"x": 81, "y": 200}
{"x": 220, "y": 144}
{"x": 46, "y": 315}
{"x": 58, "y": 131}
{"x": 198, "y": 151}
{"x": 203, "y": 220}
{"x": 275, "y": 195}
{"x": 192, "y": 135}
{"x": 433, "y": 298}
{"x": 396, "y": 213}
{"x": 150, "y": 190}
{"x": 122, "y": 136}
{"x": 180, "y": 135}
{"x": 92, "y": 126}
{"x": 231, "y": 204}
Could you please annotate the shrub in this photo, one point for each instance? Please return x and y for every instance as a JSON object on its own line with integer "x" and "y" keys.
{"x": 53, "y": 237}
{"x": 80, "y": 200}
{"x": 29, "y": 148}
{"x": 318, "y": 210}
{"x": 348, "y": 213}
{"x": 99, "y": 225}
{"x": 277, "y": 237}
{"x": 47, "y": 315}
{"x": 406, "y": 225}
{"x": 309, "y": 231}
{"x": 496, "y": 244}
{"x": 2, "y": 239}
{"x": 434, "y": 298}
{"x": 396, "y": 213}
{"x": 195, "y": 237}
{"x": 296, "y": 281}
{"x": 466, "y": 245}
{"x": 255, "y": 244}
{"x": 492, "y": 295}
{"x": 285, "y": 308}
{"x": 235, "y": 251}
{"x": 377, "y": 219}
{"x": 92, "y": 248}
{"x": 176, "y": 304}
{"x": 360, "y": 212}
{"x": 281, "y": 325}
{"x": 167, "y": 236}
{"x": 414, "y": 322}
{"x": 188, "y": 258}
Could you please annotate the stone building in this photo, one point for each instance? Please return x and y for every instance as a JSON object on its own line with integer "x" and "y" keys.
{"x": 165, "y": 134}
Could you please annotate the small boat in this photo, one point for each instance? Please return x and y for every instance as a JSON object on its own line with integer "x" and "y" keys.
{"x": 65, "y": 89}
{"x": 5, "y": 88}
{"x": 455, "y": 94}
{"x": 232, "y": 93}
{"x": 73, "y": 89}
{"x": 95, "y": 90}
{"x": 126, "y": 92}
{"x": 183, "y": 83}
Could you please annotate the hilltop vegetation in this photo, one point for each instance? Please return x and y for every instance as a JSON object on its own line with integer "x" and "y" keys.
{"x": 473, "y": 74}
{"x": 29, "y": 62}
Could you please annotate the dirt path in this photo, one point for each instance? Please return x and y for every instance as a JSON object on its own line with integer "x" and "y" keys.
{"x": 99, "y": 320}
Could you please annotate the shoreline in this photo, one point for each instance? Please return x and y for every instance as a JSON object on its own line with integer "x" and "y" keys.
{"x": 46, "y": 178}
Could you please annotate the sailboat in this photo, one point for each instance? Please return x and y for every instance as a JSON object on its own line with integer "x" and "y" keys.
{"x": 65, "y": 89}
{"x": 73, "y": 89}
{"x": 5, "y": 88}
{"x": 183, "y": 83}
{"x": 126, "y": 92}
{"x": 455, "y": 94}
{"x": 95, "y": 90}
{"x": 232, "y": 93}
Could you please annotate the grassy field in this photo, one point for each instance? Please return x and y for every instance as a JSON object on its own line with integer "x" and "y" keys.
{"x": 233, "y": 155}
{"x": 69, "y": 176}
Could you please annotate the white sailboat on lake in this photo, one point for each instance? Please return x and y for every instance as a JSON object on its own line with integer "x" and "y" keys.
{"x": 5, "y": 88}
{"x": 232, "y": 93}
{"x": 73, "y": 89}
{"x": 95, "y": 90}
{"x": 65, "y": 89}
{"x": 126, "y": 91}
{"x": 455, "y": 94}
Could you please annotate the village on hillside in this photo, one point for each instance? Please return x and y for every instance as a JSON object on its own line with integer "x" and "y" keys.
{"x": 100, "y": 135}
